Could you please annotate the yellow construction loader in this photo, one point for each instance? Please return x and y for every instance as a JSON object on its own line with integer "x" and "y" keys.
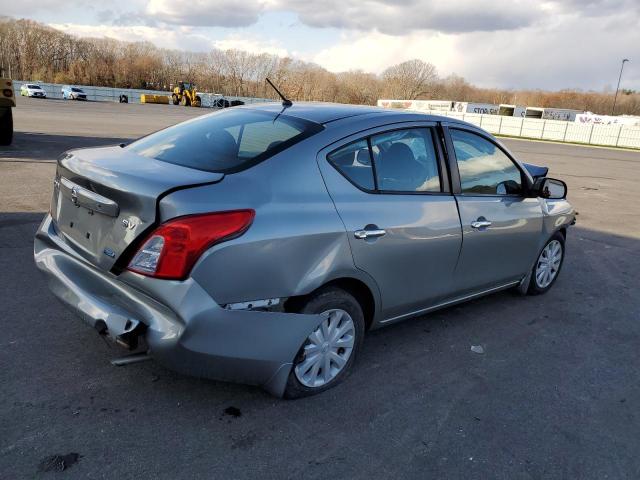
{"x": 185, "y": 95}
{"x": 7, "y": 102}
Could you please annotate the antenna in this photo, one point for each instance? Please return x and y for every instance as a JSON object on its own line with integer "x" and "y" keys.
{"x": 285, "y": 102}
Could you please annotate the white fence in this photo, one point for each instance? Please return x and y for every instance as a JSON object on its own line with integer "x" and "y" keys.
{"x": 556, "y": 130}
{"x": 107, "y": 94}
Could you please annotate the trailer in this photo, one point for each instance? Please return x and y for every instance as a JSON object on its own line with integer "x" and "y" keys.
{"x": 507, "y": 110}
{"x": 432, "y": 105}
{"x": 595, "y": 119}
{"x": 418, "y": 105}
{"x": 481, "y": 108}
{"x": 566, "y": 114}
{"x": 400, "y": 104}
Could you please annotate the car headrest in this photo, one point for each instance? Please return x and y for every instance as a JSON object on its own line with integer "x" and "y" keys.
{"x": 222, "y": 144}
{"x": 274, "y": 144}
{"x": 362, "y": 157}
{"x": 399, "y": 158}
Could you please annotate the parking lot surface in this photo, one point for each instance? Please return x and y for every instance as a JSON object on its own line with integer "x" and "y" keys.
{"x": 554, "y": 395}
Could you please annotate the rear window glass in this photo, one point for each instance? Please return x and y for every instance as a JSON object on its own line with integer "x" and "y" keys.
{"x": 354, "y": 162}
{"x": 227, "y": 141}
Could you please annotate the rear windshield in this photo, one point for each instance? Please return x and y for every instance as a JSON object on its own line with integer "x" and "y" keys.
{"x": 227, "y": 141}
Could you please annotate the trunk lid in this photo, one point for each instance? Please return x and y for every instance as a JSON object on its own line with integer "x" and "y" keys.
{"x": 105, "y": 198}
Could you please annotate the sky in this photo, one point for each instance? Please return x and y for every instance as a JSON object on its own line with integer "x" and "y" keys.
{"x": 518, "y": 44}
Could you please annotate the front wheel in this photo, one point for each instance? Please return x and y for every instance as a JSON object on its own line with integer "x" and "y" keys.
{"x": 547, "y": 267}
{"x": 329, "y": 352}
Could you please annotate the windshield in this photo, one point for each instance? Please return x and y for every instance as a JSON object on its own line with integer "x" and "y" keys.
{"x": 227, "y": 141}
{"x": 76, "y": 89}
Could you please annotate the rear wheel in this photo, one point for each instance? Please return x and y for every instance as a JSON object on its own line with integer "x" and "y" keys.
{"x": 197, "y": 102}
{"x": 547, "y": 267}
{"x": 327, "y": 355}
{"x": 6, "y": 126}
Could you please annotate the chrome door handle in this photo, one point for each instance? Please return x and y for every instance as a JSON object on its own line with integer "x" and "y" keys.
{"x": 364, "y": 234}
{"x": 480, "y": 224}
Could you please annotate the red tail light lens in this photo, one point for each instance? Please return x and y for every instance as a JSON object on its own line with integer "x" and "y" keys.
{"x": 171, "y": 250}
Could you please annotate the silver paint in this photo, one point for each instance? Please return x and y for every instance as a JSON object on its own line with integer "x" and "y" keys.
{"x": 413, "y": 253}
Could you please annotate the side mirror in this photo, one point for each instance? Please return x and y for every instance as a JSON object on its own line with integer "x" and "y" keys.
{"x": 550, "y": 188}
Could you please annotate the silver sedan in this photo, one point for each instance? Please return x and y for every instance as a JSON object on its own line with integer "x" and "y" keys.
{"x": 259, "y": 244}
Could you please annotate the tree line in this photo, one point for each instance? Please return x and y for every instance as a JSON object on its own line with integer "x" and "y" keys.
{"x": 35, "y": 52}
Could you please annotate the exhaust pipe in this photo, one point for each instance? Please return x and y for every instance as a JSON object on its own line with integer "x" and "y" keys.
{"x": 129, "y": 339}
{"x": 129, "y": 359}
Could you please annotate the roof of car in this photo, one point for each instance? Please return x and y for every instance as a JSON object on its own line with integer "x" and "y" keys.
{"x": 320, "y": 112}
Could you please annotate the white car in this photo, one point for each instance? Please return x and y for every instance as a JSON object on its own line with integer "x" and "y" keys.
{"x": 32, "y": 90}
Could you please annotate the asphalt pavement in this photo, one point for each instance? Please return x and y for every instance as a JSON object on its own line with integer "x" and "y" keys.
{"x": 556, "y": 393}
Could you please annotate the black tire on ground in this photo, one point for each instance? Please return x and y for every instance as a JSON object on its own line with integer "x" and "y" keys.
{"x": 222, "y": 103}
{"x": 174, "y": 99}
{"x": 321, "y": 301}
{"x": 184, "y": 101}
{"x": 6, "y": 126}
{"x": 197, "y": 102}
{"x": 534, "y": 288}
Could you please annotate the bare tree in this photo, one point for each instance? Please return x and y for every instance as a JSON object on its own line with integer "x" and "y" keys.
{"x": 32, "y": 51}
{"x": 410, "y": 80}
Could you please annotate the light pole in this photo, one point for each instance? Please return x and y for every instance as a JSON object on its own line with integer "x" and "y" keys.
{"x": 618, "y": 87}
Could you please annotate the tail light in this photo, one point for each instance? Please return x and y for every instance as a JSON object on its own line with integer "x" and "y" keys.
{"x": 7, "y": 92}
{"x": 171, "y": 250}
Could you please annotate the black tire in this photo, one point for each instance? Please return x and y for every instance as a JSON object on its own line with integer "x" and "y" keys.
{"x": 174, "y": 99}
{"x": 321, "y": 301}
{"x": 6, "y": 126}
{"x": 534, "y": 287}
{"x": 197, "y": 102}
{"x": 185, "y": 101}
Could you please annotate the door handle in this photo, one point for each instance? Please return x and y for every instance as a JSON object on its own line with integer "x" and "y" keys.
{"x": 480, "y": 224}
{"x": 364, "y": 234}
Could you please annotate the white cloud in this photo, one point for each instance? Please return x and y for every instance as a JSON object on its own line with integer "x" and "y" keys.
{"x": 549, "y": 44}
{"x": 184, "y": 38}
{"x": 253, "y": 45}
{"x": 376, "y": 51}
{"x": 223, "y": 13}
{"x": 401, "y": 17}
{"x": 564, "y": 51}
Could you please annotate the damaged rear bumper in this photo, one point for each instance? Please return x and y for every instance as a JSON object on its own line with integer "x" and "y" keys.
{"x": 184, "y": 327}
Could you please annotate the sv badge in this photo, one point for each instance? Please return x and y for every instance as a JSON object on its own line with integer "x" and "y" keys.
{"x": 130, "y": 224}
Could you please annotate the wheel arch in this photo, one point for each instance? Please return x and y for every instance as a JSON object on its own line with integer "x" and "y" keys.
{"x": 358, "y": 288}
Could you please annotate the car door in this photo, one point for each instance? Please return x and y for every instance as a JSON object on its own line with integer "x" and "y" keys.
{"x": 390, "y": 188}
{"x": 500, "y": 225}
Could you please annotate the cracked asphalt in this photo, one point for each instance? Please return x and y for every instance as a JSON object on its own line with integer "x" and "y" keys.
{"x": 554, "y": 395}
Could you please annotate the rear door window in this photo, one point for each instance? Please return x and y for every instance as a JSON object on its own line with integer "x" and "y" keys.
{"x": 406, "y": 161}
{"x": 399, "y": 161}
{"x": 354, "y": 162}
{"x": 227, "y": 141}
